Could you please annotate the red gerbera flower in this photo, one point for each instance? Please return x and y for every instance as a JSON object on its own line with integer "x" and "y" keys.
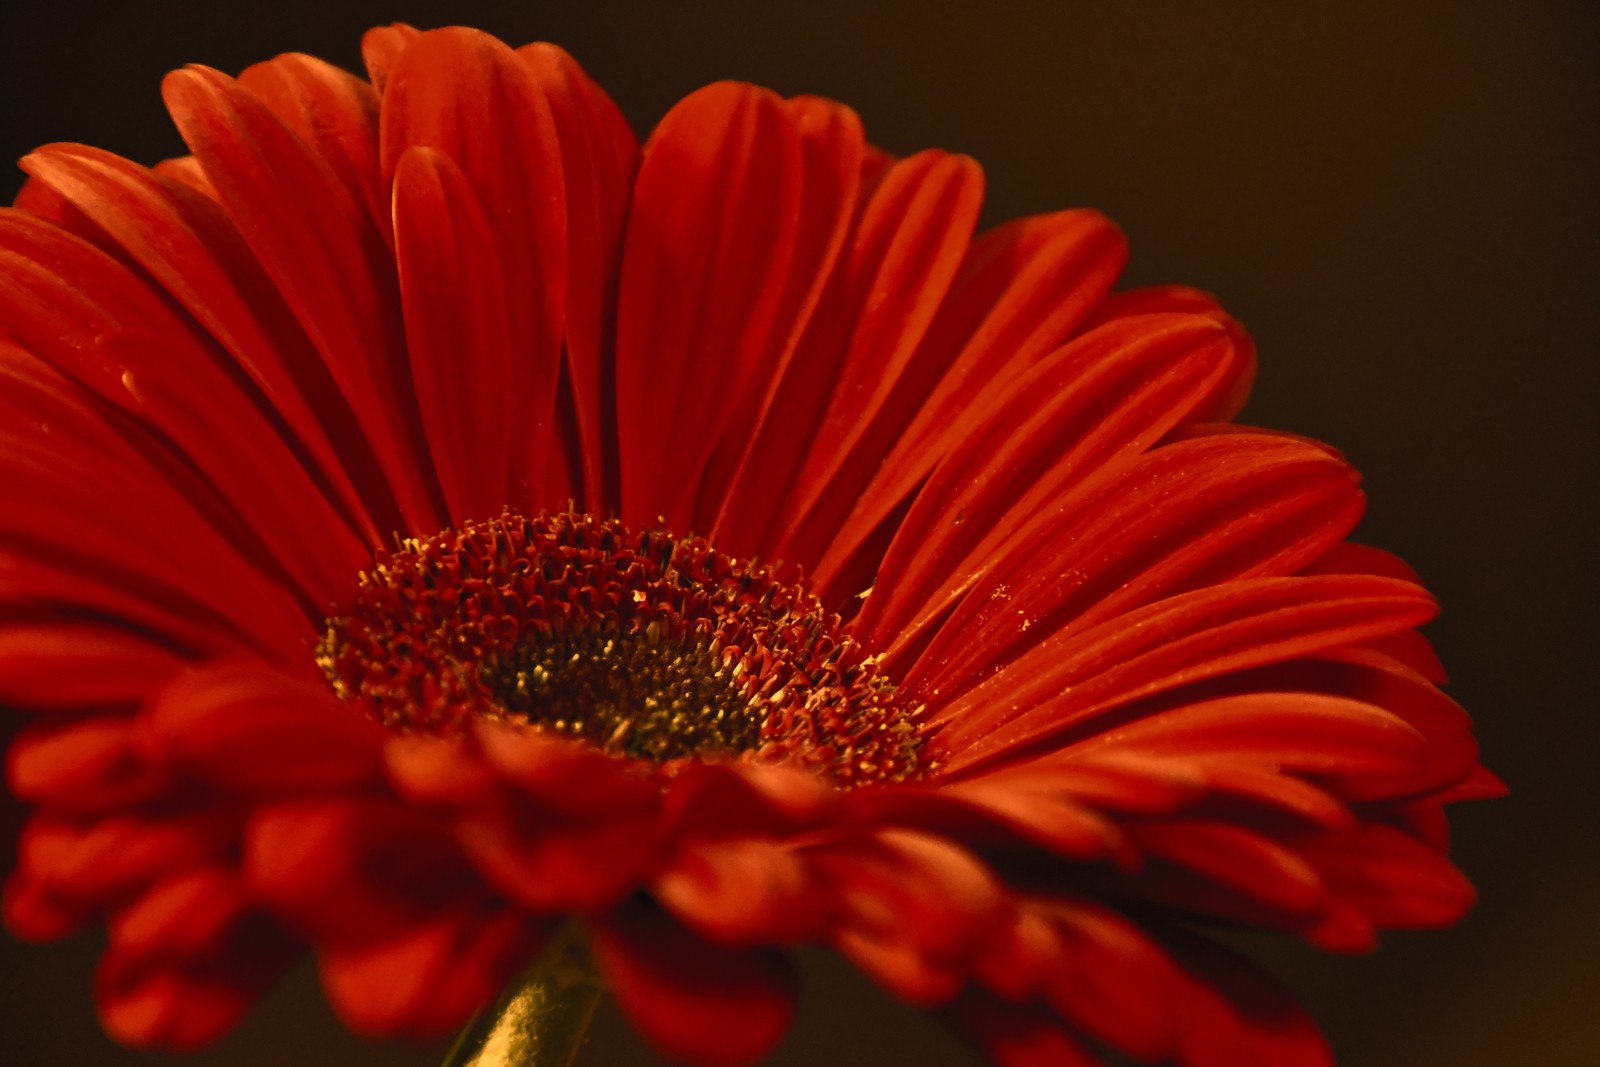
{"x": 389, "y": 488}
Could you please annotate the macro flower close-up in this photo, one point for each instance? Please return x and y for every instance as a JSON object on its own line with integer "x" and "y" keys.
{"x": 454, "y": 537}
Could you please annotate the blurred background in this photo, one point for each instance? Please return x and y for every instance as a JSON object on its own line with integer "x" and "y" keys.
{"x": 1398, "y": 198}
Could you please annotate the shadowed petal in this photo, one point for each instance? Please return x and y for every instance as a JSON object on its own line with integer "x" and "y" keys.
{"x": 257, "y": 730}
{"x": 432, "y": 976}
{"x": 690, "y": 998}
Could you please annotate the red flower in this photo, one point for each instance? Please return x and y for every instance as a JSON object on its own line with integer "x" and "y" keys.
{"x": 1054, "y": 670}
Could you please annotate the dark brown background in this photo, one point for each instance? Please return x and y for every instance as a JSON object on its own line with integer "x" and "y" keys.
{"x": 1398, "y": 198}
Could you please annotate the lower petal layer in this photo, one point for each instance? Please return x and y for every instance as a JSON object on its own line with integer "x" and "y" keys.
{"x": 692, "y": 999}
{"x": 430, "y": 978}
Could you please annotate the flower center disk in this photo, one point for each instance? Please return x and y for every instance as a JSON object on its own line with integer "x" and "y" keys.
{"x": 644, "y": 644}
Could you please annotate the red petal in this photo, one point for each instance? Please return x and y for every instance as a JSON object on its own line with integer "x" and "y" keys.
{"x": 75, "y": 585}
{"x": 92, "y": 526}
{"x": 63, "y": 664}
{"x": 324, "y": 255}
{"x": 831, "y": 146}
{"x": 1232, "y": 392}
{"x": 723, "y": 800}
{"x": 1112, "y": 778}
{"x": 188, "y": 1004}
{"x": 1193, "y": 515}
{"x": 915, "y": 910}
{"x": 256, "y": 729}
{"x": 1041, "y": 810}
{"x": 33, "y": 913}
{"x": 1070, "y": 677}
{"x": 599, "y": 157}
{"x": 1306, "y": 732}
{"x": 432, "y": 977}
{"x": 1359, "y": 674}
{"x": 1238, "y": 859}
{"x": 258, "y": 479}
{"x": 691, "y": 999}
{"x": 1348, "y": 557}
{"x": 122, "y": 343}
{"x": 1033, "y": 454}
{"x": 1013, "y": 1036}
{"x": 187, "y": 244}
{"x": 746, "y": 892}
{"x": 115, "y": 857}
{"x": 551, "y": 864}
{"x": 88, "y": 765}
{"x": 565, "y": 776}
{"x": 707, "y": 262}
{"x": 335, "y": 114}
{"x": 182, "y": 916}
{"x": 1112, "y": 982}
{"x": 1261, "y": 785}
{"x": 1392, "y": 878}
{"x": 1023, "y": 290}
{"x": 890, "y": 283}
{"x": 352, "y": 870}
{"x": 113, "y": 523}
{"x": 1235, "y": 1016}
{"x": 186, "y": 170}
{"x": 1480, "y": 784}
{"x": 439, "y": 771}
{"x": 457, "y": 321}
{"x": 381, "y": 48}
{"x": 467, "y": 96}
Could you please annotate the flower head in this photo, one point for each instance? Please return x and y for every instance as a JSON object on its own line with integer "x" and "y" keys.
{"x": 435, "y": 517}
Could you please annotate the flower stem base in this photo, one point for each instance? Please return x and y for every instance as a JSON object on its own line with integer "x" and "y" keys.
{"x": 542, "y": 1019}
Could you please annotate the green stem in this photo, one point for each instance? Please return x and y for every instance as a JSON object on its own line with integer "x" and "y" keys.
{"x": 543, "y": 1017}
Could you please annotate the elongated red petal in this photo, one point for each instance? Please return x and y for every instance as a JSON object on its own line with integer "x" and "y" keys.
{"x": 95, "y": 514}
{"x": 914, "y": 910}
{"x": 892, "y": 279}
{"x": 183, "y": 917}
{"x": 469, "y": 98}
{"x": 88, "y": 765}
{"x": 1194, "y": 515}
{"x": 1392, "y": 878}
{"x": 1322, "y": 734}
{"x": 1023, "y": 290}
{"x": 100, "y": 862}
{"x": 187, "y": 244}
{"x": 1231, "y": 393}
{"x": 831, "y": 148}
{"x": 1107, "y": 398}
{"x": 256, "y": 730}
{"x": 188, "y": 1002}
{"x": 1012, "y": 1036}
{"x": 1232, "y": 1015}
{"x": 599, "y": 158}
{"x": 1236, "y": 859}
{"x": 1207, "y": 633}
{"x": 691, "y": 998}
{"x": 335, "y": 114}
{"x": 123, "y": 344}
{"x": 431, "y": 977}
{"x": 325, "y": 256}
{"x": 350, "y": 870}
{"x": 70, "y": 664}
{"x": 744, "y": 892}
{"x": 707, "y": 261}
{"x": 381, "y": 48}
{"x": 453, "y": 282}
{"x": 1112, "y": 981}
